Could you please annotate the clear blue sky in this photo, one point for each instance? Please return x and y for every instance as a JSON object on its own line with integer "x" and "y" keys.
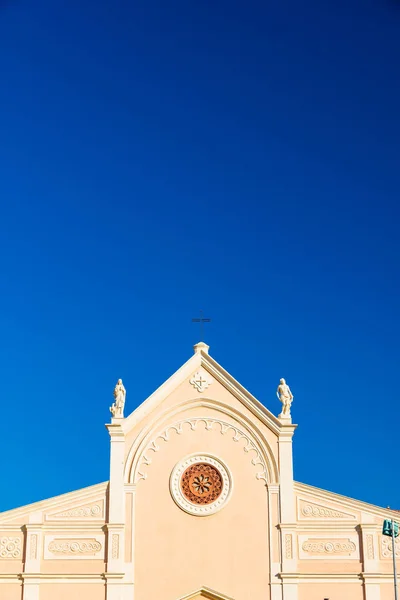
{"x": 161, "y": 157}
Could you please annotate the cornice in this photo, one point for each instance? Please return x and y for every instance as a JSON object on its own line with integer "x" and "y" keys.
{"x": 67, "y": 577}
{"x": 372, "y": 527}
{"x": 321, "y": 526}
{"x": 325, "y": 576}
{"x": 114, "y": 526}
{"x": 12, "y": 527}
{"x": 70, "y": 526}
{"x": 115, "y": 430}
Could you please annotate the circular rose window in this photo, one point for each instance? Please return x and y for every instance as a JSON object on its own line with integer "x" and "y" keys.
{"x": 200, "y": 484}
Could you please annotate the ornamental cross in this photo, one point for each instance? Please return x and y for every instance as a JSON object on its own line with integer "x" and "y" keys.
{"x": 199, "y": 382}
{"x": 202, "y": 320}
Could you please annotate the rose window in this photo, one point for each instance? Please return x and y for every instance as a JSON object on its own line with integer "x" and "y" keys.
{"x": 200, "y": 484}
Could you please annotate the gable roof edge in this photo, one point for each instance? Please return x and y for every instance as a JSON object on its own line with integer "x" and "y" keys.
{"x": 81, "y": 493}
{"x": 160, "y": 393}
{"x": 346, "y": 500}
{"x": 238, "y": 390}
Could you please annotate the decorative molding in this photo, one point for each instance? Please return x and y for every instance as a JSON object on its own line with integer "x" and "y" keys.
{"x": 288, "y": 546}
{"x": 322, "y": 547}
{"x": 73, "y": 547}
{"x": 93, "y": 510}
{"x": 115, "y": 545}
{"x": 370, "y": 546}
{"x": 33, "y": 545}
{"x": 178, "y": 493}
{"x": 225, "y": 428}
{"x": 200, "y": 381}
{"x": 10, "y": 547}
{"x": 387, "y": 547}
{"x": 89, "y": 546}
{"x": 311, "y": 510}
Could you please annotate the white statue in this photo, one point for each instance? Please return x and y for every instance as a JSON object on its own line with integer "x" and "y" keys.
{"x": 286, "y": 397}
{"x": 117, "y": 409}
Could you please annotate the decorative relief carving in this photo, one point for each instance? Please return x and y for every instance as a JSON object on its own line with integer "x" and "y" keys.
{"x": 225, "y": 428}
{"x": 89, "y": 546}
{"x": 33, "y": 546}
{"x": 318, "y": 546}
{"x": 316, "y": 511}
{"x": 115, "y": 545}
{"x": 288, "y": 546}
{"x": 91, "y": 511}
{"x": 10, "y": 547}
{"x": 187, "y": 487}
{"x": 370, "y": 546}
{"x": 200, "y": 381}
{"x": 387, "y": 547}
{"x": 201, "y": 483}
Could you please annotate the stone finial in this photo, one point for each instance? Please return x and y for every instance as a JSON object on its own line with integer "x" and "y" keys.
{"x": 286, "y": 397}
{"x": 201, "y": 347}
{"x": 117, "y": 409}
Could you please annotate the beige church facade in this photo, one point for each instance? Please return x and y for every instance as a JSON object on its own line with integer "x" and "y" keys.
{"x": 201, "y": 503}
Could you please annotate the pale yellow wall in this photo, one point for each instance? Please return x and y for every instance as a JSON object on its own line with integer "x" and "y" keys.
{"x": 10, "y": 591}
{"x": 72, "y": 591}
{"x": 387, "y": 590}
{"x": 333, "y": 591}
{"x": 227, "y": 551}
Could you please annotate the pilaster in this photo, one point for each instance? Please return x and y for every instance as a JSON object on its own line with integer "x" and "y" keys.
{"x": 33, "y": 553}
{"x": 287, "y": 526}
{"x": 370, "y": 559}
{"x": 274, "y": 542}
{"x": 116, "y": 588}
{"x": 288, "y": 507}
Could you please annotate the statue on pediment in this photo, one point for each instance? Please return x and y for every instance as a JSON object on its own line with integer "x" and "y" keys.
{"x": 286, "y": 397}
{"x": 117, "y": 409}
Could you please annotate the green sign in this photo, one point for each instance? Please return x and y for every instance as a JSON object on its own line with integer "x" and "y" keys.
{"x": 387, "y": 528}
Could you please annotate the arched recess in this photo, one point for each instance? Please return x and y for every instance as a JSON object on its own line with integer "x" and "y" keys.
{"x": 243, "y": 431}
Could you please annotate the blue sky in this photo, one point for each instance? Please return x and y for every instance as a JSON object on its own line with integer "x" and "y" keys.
{"x": 157, "y": 158}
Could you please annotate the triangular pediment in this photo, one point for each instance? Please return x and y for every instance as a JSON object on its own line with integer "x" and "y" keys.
{"x": 323, "y": 506}
{"x": 201, "y": 370}
{"x": 205, "y": 593}
{"x": 84, "y": 504}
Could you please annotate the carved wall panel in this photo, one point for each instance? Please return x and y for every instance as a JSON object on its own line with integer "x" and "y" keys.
{"x": 387, "y": 547}
{"x": 115, "y": 545}
{"x": 324, "y": 547}
{"x": 288, "y": 546}
{"x": 370, "y": 546}
{"x": 33, "y": 540}
{"x": 10, "y": 547}
{"x": 76, "y": 547}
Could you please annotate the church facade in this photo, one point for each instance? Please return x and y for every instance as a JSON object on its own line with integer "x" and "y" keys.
{"x": 201, "y": 503}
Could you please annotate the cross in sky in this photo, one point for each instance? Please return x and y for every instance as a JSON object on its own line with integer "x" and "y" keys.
{"x": 202, "y": 320}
